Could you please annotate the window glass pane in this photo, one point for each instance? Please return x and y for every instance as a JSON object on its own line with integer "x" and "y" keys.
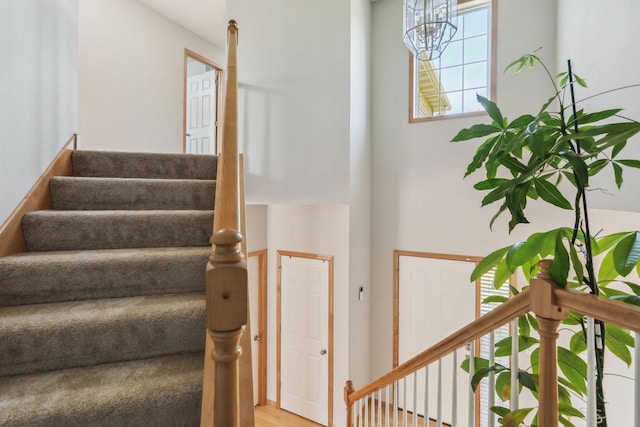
{"x": 475, "y": 49}
{"x": 452, "y": 55}
{"x": 455, "y": 100}
{"x": 471, "y": 101}
{"x": 459, "y": 33}
{"x": 475, "y": 75}
{"x": 475, "y": 23}
{"x": 451, "y": 79}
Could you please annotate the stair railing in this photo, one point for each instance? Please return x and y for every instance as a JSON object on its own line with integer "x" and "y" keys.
{"x": 403, "y": 396}
{"x": 226, "y": 275}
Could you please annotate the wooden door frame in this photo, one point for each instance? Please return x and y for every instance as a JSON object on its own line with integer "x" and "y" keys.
{"x": 219, "y": 98}
{"x": 329, "y": 259}
{"x": 262, "y": 325}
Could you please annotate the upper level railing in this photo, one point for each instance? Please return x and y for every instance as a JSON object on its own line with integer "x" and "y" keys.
{"x": 226, "y": 276}
{"x": 405, "y": 397}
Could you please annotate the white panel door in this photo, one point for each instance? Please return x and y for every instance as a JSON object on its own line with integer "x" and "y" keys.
{"x": 436, "y": 299}
{"x": 253, "y": 267}
{"x": 304, "y": 337}
{"x": 201, "y": 113}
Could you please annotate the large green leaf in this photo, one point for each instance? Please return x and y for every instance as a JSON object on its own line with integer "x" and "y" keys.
{"x": 501, "y": 275}
{"x": 617, "y": 172}
{"x": 559, "y": 268}
{"x": 605, "y": 243}
{"x": 489, "y": 184}
{"x": 577, "y": 344}
{"x": 481, "y": 155}
{"x": 597, "y": 166}
{"x": 488, "y": 262}
{"x": 504, "y": 346}
{"x": 607, "y": 270}
{"x": 521, "y": 122}
{"x": 492, "y": 109}
{"x": 573, "y": 368}
{"x": 570, "y": 411}
{"x": 551, "y": 194}
{"x": 503, "y": 385}
{"x": 630, "y": 163}
{"x": 618, "y": 341}
{"x": 627, "y": 253}
{"x": 515, "y": 418}
{"x": 482, "y": 373}
{"x": 475, "y": 131}
{"x": 528, "y": 380}
{"x": 580, "y": 169}
{"x": 596, "y": 117}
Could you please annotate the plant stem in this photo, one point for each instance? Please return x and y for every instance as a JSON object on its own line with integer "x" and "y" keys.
{"x": 592, "y": 281}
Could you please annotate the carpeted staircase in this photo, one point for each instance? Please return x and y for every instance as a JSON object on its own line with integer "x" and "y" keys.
{"x": 102, "y": 320}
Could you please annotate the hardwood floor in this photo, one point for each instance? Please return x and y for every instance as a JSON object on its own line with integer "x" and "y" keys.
{"x": 268, "y": 416}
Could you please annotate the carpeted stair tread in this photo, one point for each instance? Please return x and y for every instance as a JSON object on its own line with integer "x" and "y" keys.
{"x": 41, "y": 277}
{"x": 159, "y": 392}
{"x": 42, "y": 337}
{"x": 76, "y": 230}
{"x": 80, "y": 193}
{"x": 144, "y": 165}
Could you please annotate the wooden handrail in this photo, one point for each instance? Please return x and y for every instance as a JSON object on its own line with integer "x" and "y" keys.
{"x": 514, "y": 307}
{"x": 226, "y": 274}
{"x": 610, "y": 311}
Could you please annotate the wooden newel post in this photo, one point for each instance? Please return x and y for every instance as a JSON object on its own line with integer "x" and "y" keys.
{"x": 348, "y": 389}
{"x": 226, "y": 297}
{"x": 549, "y": 315}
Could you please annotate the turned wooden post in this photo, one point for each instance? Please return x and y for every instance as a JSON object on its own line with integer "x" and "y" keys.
{"x": 226, "y": 298}
{"x": 348, "y": 389}
{"x": 549, "y": 315}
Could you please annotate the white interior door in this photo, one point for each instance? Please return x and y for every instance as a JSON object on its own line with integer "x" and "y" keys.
{"x": 201, "y": 106}
{"x": 304, "y": 337}
{"x": 253, "y": 267}
{"x": 435, "y": 299}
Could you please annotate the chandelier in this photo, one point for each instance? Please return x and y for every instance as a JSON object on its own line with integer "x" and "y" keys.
{"x": 429, "y": 26}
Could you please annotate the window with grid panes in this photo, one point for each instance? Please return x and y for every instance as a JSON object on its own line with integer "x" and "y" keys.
{"x": 448, "y": 85}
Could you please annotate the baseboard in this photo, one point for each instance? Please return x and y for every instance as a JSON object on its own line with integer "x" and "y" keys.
{"x": 38, "y": 198}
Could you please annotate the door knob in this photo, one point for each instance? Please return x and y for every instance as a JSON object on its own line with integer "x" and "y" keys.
{"x": 256, "y": 337}
{"x": 323, "y": 352}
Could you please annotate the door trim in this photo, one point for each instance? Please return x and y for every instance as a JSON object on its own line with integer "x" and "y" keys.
{"x": 262, "y": 325}
{"x": 194, "y": 55}
{"x": 329, "y": 259}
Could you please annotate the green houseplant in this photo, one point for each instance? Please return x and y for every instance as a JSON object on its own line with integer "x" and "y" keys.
{"x": 551, "y": 155}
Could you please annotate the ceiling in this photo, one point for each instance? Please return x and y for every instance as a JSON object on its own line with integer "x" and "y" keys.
{"x": 206, "y": 18}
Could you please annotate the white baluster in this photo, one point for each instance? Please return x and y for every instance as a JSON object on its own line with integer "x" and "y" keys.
{"x": 387, "y": 408}
{"x": 472, "y": 395}
{"x": 379, "y": 419}
{"x": 439, "y": 408}
{"x": 514, "y": 365}
{"x": 426, "y": 395}
{"x": 404, "y": 402}
{"x": 414, "y": 418}
{"x": 454, "y": 391}
{"x": 592, "y": 410}
{"x": 492, "y": 382}
{"x": 395, "y": 403}
{"x": 636, "y": 362}
{"x": 366, "y": 411}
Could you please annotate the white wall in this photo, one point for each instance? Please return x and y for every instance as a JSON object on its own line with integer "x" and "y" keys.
{"x": 131, "y": 74}
{"x": 360, "y": 192}
{"x": 319, "y": 230}
{"x": 607, "y": 59}
{"x": 293, "y": 68}
{"x": 420, "y": 201}
{"x": 38, "y": 90}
